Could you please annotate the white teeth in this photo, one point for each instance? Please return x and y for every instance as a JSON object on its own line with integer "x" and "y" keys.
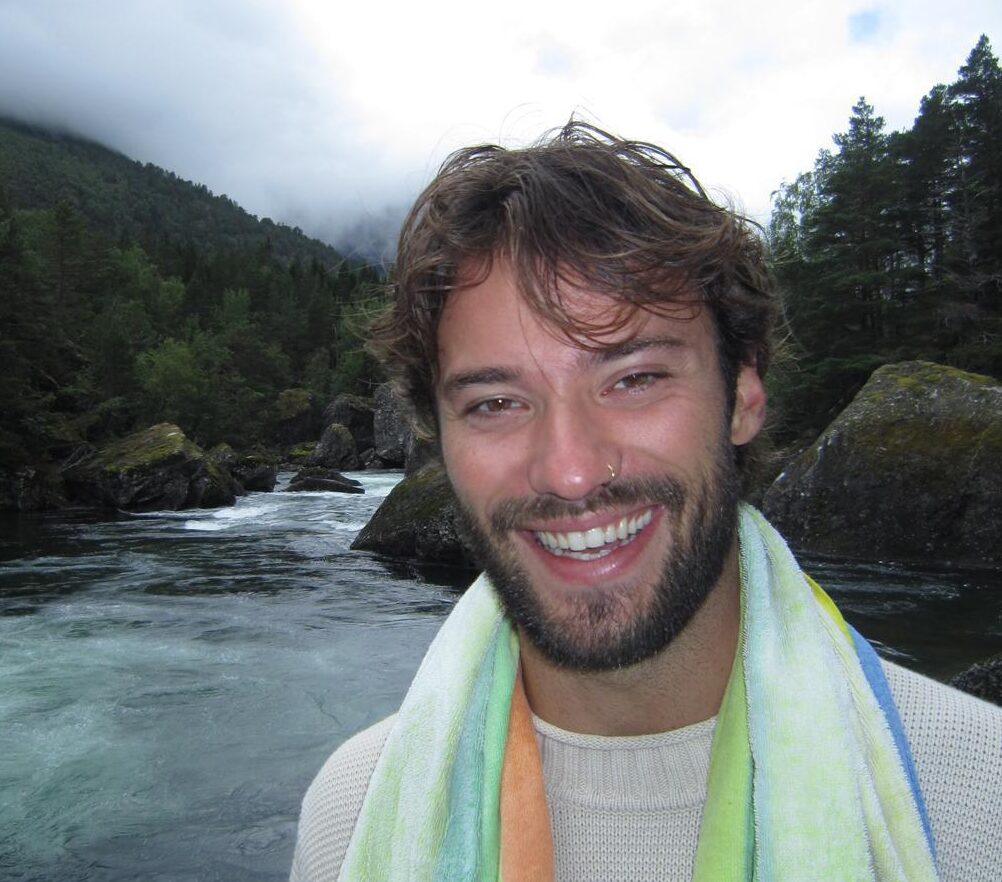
{"x": 595, "y": 537}
{"x": 581, "y": 544}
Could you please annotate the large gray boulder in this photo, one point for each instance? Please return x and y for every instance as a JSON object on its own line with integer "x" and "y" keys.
{"x": 391, "y": 428}
{"x": 417, "y": 520}
{"x": 324, "y": 479}
{"x": 335, "y": 449}
{"x": 911, "y": 469}
{"x": 217, "y": 483}
{"x": 356, "y": 414}
{"x": 256, "y": 471}
{"x": 156, "y": 469}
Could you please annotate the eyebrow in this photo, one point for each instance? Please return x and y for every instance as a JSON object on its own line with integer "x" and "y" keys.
{"x": 632, "y": 346}
{"x": 478, "y": 377}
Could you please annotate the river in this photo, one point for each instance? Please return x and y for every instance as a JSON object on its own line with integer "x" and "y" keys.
{"x": 170, "y": 682}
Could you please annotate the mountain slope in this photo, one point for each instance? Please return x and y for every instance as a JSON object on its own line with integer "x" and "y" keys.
{"x": 127, "y": 200}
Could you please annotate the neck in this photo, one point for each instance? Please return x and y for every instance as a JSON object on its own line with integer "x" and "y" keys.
{"x": 681, "y": 685}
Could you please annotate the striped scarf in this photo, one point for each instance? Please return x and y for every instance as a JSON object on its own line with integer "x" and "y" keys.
{"x": 810, "y": 775}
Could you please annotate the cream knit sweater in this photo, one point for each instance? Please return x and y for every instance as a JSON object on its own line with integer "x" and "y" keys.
{"x": 629, "y": 808}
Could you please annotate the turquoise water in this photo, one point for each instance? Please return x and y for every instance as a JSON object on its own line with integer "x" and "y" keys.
{"x": 170, "y": 683}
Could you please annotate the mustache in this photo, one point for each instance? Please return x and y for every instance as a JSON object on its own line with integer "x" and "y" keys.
{"x": 511, "y": 514}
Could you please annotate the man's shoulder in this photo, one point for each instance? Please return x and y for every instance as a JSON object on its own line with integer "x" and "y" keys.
{"x": 933, "y": 712}
{"x": 956, "y": 742}
{"x": 332, "y": 803}
{"x": 357, "y": 756}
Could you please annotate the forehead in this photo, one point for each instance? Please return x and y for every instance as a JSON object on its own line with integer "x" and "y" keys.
{"x": 492, "y": 321}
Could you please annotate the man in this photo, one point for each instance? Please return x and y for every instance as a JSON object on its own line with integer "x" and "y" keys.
{"x": 644, "y": 685}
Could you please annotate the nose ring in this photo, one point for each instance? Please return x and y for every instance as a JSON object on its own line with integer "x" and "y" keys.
{"x": 612, "y": 472}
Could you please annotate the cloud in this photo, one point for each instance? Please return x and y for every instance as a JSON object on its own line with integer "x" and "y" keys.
{"x": 332, "y": 116}
{"x": 225, "y": 93}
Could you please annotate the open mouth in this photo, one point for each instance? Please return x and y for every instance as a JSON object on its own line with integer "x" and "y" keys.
{"x": 598, "y": 541}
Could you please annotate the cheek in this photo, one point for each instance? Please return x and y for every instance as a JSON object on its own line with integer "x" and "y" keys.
{"x": 481, "y": 471}
{"x": 672, "y": 439}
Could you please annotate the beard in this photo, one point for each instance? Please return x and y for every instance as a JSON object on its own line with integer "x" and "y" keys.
{"x": 615, "y": 625}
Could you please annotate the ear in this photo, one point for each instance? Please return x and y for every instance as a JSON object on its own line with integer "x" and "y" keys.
{"x": 749, "y": 406}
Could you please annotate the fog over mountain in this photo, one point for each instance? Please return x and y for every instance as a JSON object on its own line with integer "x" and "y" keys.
{"x": 333, "y": 116}
{"x": 226, "y": 94}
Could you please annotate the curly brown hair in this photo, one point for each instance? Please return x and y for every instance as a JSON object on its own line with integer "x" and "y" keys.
{"x": 582, "y": 208}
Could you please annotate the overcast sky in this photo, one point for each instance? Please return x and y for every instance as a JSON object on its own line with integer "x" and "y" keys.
{"x": 325, "y": 114}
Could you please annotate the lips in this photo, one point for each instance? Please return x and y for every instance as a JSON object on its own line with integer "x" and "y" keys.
{"x": 596, "y": 542}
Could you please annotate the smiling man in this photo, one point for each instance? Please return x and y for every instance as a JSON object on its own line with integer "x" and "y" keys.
{"x": 643, "y": 685}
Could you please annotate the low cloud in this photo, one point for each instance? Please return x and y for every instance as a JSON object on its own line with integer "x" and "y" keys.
{"x": 334, "y": 120}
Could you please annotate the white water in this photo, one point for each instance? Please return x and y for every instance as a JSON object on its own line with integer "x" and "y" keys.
{"x": 169, "y": 683}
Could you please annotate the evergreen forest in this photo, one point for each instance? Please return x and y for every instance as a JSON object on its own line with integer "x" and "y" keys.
{"x": 890, "y": 248}
{"x": 129, "y": 296}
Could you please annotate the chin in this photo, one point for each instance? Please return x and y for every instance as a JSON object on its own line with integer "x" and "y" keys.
{"x": 608, "y": 625}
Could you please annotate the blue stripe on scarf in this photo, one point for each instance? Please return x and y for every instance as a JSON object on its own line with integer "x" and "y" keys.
{"x": 456, "y": 859}
{"x": 874, "y": 673}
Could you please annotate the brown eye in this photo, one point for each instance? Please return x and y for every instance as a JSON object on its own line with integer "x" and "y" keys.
{"x": 491, "y": 406}
{"x": 637, "y": 381}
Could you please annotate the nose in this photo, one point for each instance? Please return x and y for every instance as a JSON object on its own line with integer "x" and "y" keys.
{"x": 571, "y": 455}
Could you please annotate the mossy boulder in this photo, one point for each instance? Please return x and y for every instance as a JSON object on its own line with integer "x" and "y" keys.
{"x": 356, "y": 414}
{"x": 299, "y": 454}
{"x": 256, "y": 471}
{"x": 219, "y": 480}
{"x": 911, "y": 469}
{"x": 157, "y": 469}
{"x": 983, "y": 679}
{"x": 335, "y": 449}
{"x": 417, "y": 520}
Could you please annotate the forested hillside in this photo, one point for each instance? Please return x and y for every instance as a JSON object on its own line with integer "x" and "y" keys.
{"x": 130, "y": 201}
{"x": 891, "y": 247}
{"x": 129, "y": 296}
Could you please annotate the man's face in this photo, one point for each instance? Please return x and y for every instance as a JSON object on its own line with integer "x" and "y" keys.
{"x": 598, "y": 571}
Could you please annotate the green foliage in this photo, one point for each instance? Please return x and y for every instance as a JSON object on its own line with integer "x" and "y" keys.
{"x": 357, "y": 373}
{"x": 175, "y": 381}
{"x": 891, "y": 247}
{"x": 128, "y": 296}
{"x": 129, "y": 201}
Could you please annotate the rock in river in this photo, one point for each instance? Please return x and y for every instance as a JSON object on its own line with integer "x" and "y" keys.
{"x": 324, "y": 479}
{"x": 911, "y": 469}
{"x": 417, "y": 520}
{"x": 354, "y": 413}
{"x": 335, "y": 449}
{"x": 157, "y": 469}
{"x": 391, "y": 428}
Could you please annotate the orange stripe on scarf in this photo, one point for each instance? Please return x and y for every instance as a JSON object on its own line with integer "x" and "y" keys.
{"x": 526, "y": 840}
